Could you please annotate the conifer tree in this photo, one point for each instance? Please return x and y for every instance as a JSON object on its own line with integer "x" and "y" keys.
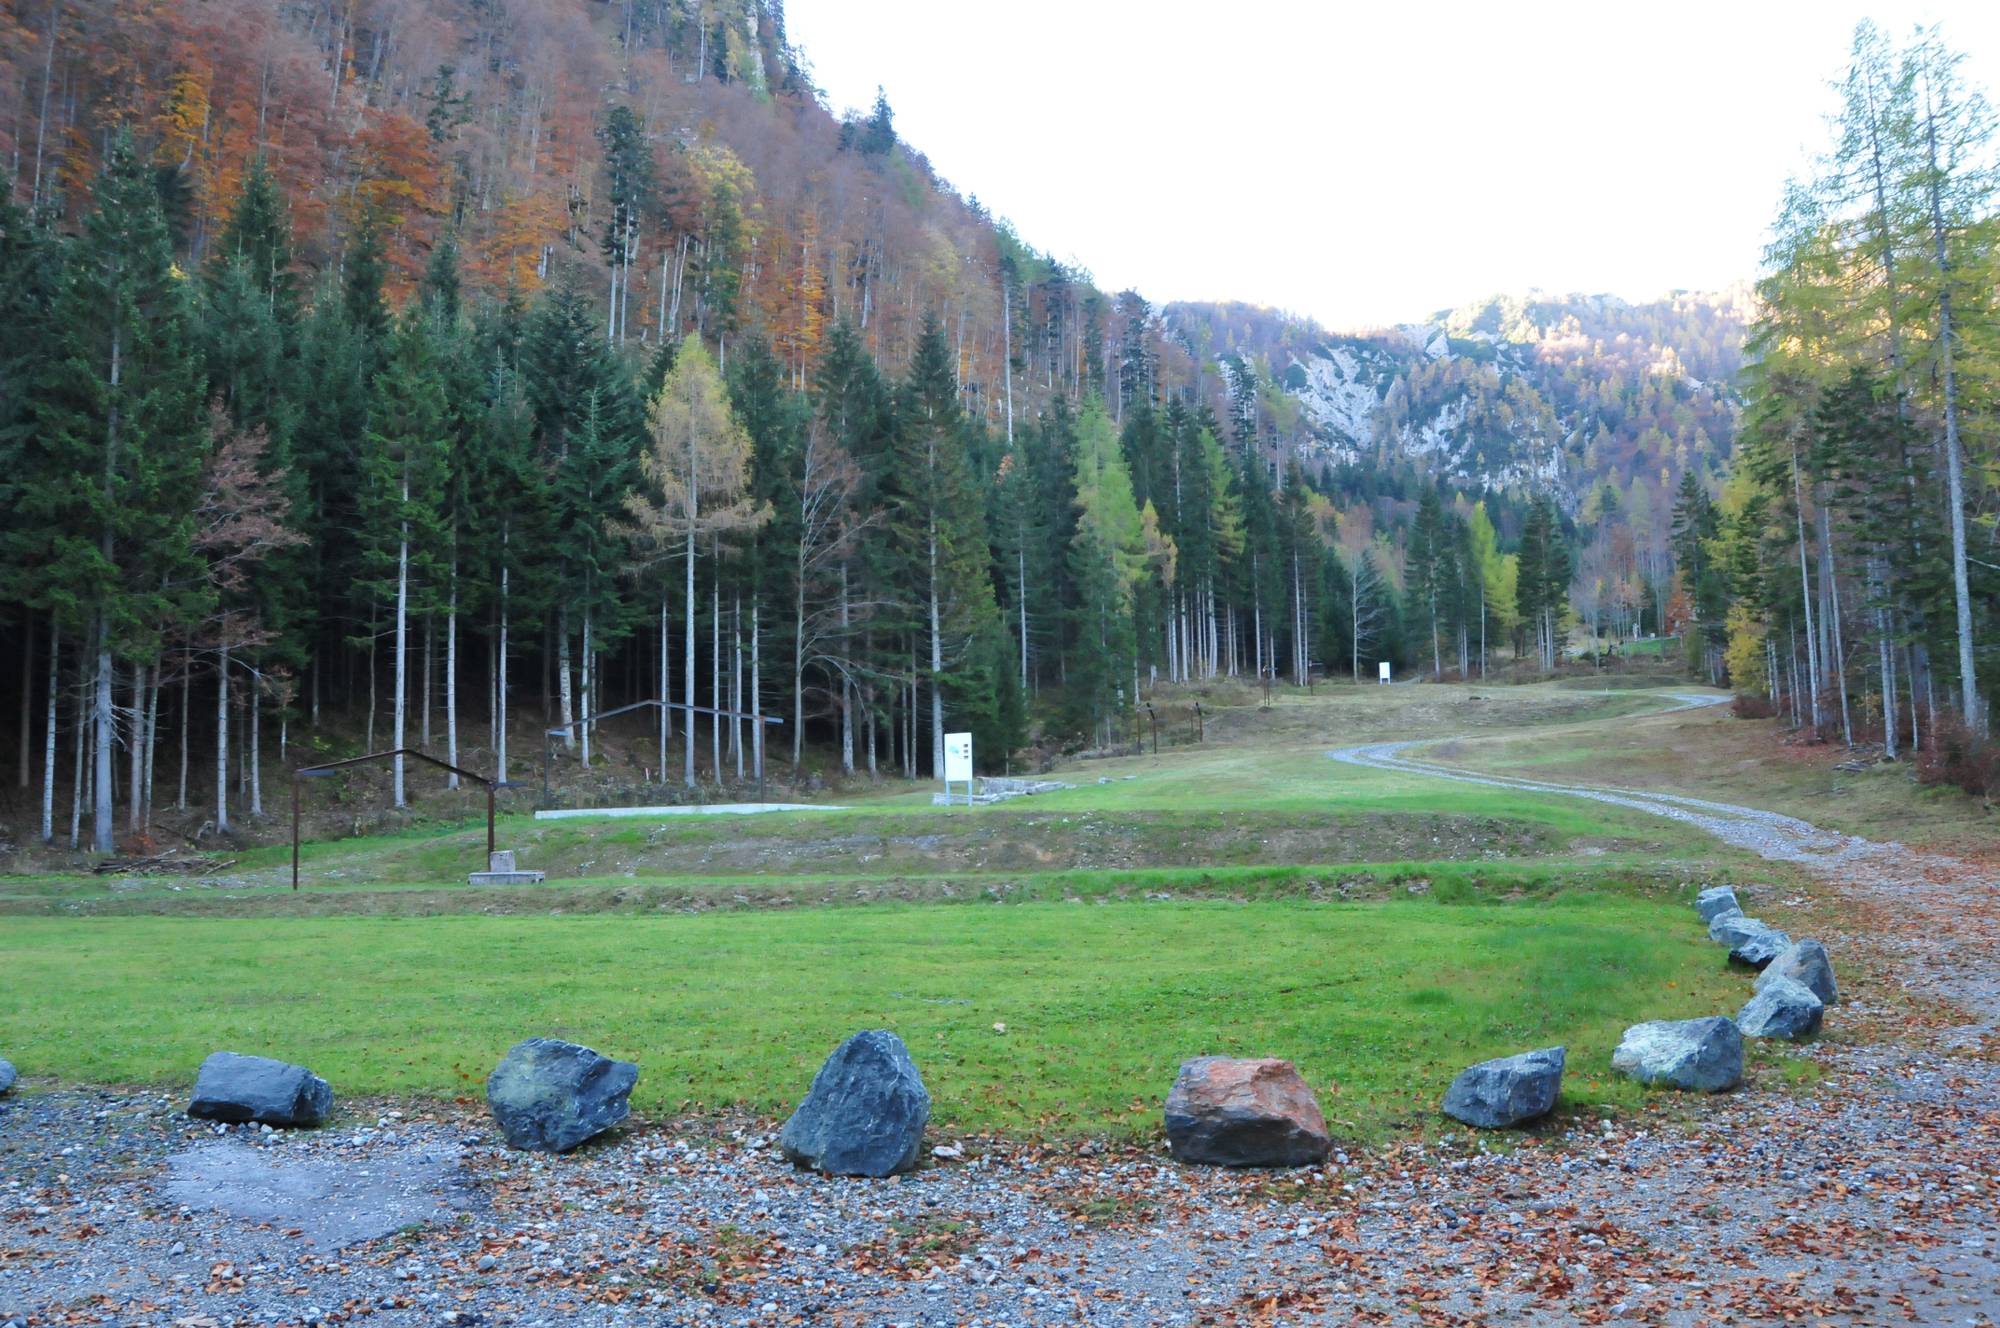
{"x": 856, "y": 409}
{"x": 109, "y": 474}
{"x": 935, "y": 515}
{"x": 403, "y": 473}
{"x": 1108, "y": 560}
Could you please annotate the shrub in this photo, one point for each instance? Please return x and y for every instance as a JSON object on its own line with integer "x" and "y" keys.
{"x": 1959, "y": 757}
{"x": 1753, "y": 705}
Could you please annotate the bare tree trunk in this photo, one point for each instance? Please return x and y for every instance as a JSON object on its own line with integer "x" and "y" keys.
{"x": 152, "y": 742}
{"x": 49, "y": 731}
{"x": 27, "y": 700}
{"x": 736, "y": 686}
{"x": 584, "y": 706}
{"x": 799, "y": 660}
{"x": 426, "y": 687}
{"x": 500, "y": 687}
{"x": 451, "y": 678}
{"x": 78, "y": 761}
{"x": 1806, "y": 594}
{"x": 715, "y": 678}
{"x": 400, "y": 706}
{"x": 1838, "y": 653}
{"x": 687, "y": 670}
{"x": 937, "y": 664}
{"x": 564, "y": 698}
{"x": 756, "y": 698}
{"x": 253, "y": 701}
{"x": 135, "y": 753}
{"x": 187, "y": 707}
{"x": 847, "y": 688}
{"x": 222, "y": 742}
{"x": 663, "y": 685}
{"x": 1007, "y": 361}
{"x": 1968, "y": 680}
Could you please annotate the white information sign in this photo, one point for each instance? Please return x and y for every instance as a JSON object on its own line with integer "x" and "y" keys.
{"x": 957, "y": 758}
{"x": 1382, "y": 670}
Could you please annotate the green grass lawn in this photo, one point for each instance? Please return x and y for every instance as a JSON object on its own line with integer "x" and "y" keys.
{"x": 1379, "y": 1003}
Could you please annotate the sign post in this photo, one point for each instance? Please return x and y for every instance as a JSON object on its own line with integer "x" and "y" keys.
{"x": 1382, "y": 672}
{"x": 958, "y": 764}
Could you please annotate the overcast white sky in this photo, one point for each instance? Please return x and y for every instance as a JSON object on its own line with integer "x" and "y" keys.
{"x": 1368, "y": 163}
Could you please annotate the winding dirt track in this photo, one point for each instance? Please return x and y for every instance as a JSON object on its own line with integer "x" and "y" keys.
{"x": 1940, "y": 916}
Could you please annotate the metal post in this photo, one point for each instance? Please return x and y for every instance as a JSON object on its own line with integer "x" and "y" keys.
{"x": 489, "y": 825}
{"x": 295, "y": 833}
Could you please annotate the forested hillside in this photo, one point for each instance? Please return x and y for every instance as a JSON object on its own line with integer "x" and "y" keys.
{"x": 426, "y": 372}
{"x": 1847, "y": 572}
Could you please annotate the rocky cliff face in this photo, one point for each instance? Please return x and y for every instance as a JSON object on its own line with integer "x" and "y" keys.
{"x": 1538, "y": 394}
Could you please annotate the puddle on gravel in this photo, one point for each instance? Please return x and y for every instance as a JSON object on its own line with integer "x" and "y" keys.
{"x": 332, "y": 1203}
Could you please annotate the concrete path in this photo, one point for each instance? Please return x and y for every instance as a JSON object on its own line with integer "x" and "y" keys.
{"x": 694, "y": 809}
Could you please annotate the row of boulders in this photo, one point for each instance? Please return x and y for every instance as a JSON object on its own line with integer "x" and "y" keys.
{"x": 545, "y": 1095}
{"x": 867, "y": 1108}
{"x": 864, "y": 1115}
{"x": 1793, "y": 988}
{"x": 1794, "y": 980}
{"x": 7, "y": 1074}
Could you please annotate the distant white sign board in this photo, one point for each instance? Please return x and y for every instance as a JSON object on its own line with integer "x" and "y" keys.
{"x": 957, "y": 757}
{"x": 958, "y": 764}
{"x": 1382, "y": 671}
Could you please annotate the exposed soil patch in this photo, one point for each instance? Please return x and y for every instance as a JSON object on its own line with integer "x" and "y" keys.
{"x": 1091, "y": 840}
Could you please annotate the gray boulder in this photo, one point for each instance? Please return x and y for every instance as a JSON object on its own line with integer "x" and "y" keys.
{"x": 548, "y": 1096}
{"x": 7, "y": 1075}
{"x": 1760, "y": 947}
{"x": 1715, "y": 901}
{"x": 865, "y": 1112}
{"x": 1244, "y": 1113}
{"x": 1731, "y": 925}
{"x": 256, "y": 1088}
{"x": 1782, "y": 1008}
{"x": 1750, "y": 940}
{"x": 1700, "y": 1055}
{"x": 1806, "y": 964}
{"x": 1493, "y": 1095}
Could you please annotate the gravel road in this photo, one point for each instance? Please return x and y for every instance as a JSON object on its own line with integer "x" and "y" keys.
{"x": 1940, "y": 918}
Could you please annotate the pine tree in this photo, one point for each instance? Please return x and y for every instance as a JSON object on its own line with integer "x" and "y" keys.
{"x": 935, "y": 515}
{"x": 108, "y": 477}
{"x": 1428, "y": 571}
{"x": 628, "y": 162}
{"x": 403, "y": 473}
{"x": 1108, "y": 560}
{"x": 1543, "y": 578}
{"x": 878, "y": 133}
{"x": 856, "y": 410}
{"x": 258, "y": 238}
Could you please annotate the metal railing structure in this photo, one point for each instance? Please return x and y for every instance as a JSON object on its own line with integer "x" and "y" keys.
{"x": 328, "y": 769}
{"x": 565, "y": 731}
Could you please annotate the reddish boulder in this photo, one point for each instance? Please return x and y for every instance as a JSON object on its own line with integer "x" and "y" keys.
{"x": 1244, "y": 1113}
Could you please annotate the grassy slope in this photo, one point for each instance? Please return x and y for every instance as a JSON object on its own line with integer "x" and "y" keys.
{"x": 1261, "y": 792}
{"x": 1710, "y": 753}
{"x": 1256, "y": 835}
{"x": 1379, "y": 1003}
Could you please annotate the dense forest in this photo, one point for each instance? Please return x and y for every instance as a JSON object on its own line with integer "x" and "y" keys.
{"x": 1846, "y": 573}
{"x": 428, "y": 373}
